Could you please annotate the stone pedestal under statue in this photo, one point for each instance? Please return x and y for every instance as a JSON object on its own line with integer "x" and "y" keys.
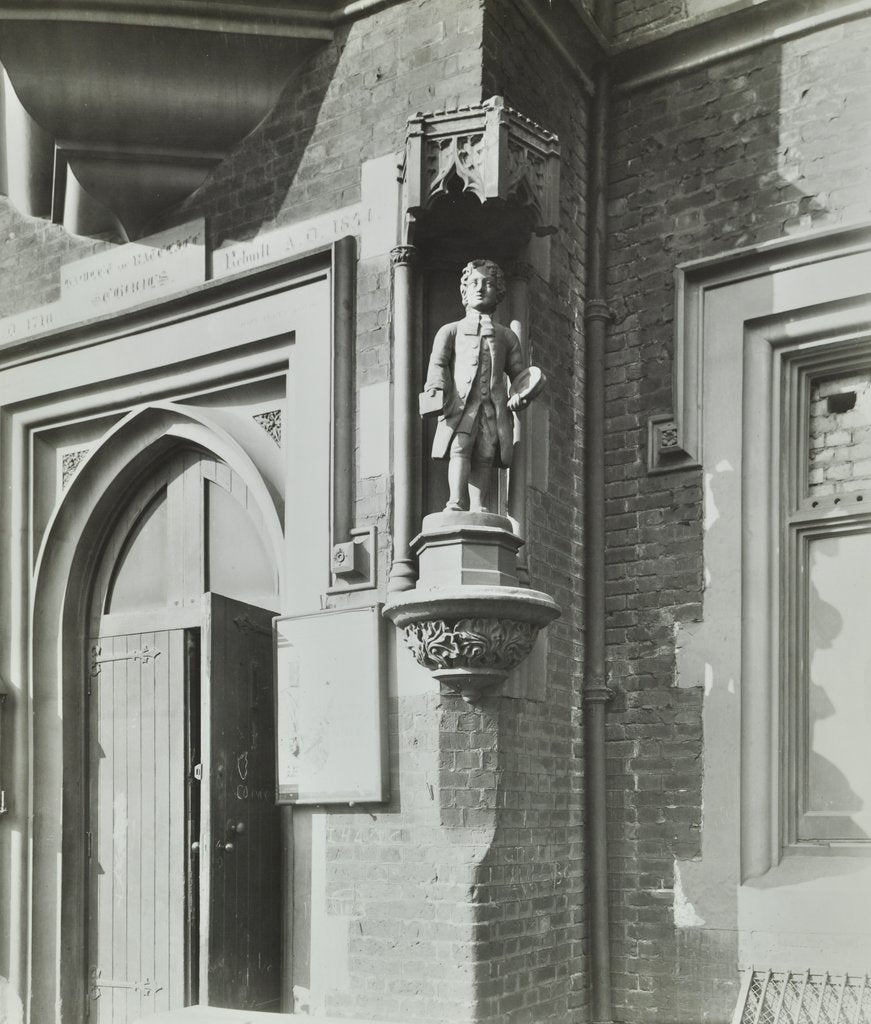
{"x": 468, "y": 621}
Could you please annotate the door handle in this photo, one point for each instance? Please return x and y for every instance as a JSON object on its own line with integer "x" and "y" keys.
{"x": 234, "y": 828}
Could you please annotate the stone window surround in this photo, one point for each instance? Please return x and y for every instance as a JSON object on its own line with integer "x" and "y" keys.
{"x": 765, "y": 344}
{"x": 737, "y": 316}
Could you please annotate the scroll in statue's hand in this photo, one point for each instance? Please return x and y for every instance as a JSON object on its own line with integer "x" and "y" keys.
{"x": 526, "y": 385}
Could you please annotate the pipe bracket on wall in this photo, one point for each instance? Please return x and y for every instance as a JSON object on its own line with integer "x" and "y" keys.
{"x": 354, "y": 563}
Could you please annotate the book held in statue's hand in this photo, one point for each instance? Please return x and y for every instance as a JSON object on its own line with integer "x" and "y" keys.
{"x": 431, "y": 402}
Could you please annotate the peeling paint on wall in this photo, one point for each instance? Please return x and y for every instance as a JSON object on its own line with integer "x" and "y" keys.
{"x": 709, "y": 677}
{"x": 691, "y": 669}
{"x": 711, "y": 512}
{"x": 11, "y": 1008}
{"x": 685, "y": 915}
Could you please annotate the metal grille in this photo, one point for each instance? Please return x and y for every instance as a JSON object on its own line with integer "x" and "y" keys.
{"x": 792, "y": 997}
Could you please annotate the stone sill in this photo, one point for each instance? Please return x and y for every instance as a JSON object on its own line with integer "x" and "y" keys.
{"x": 216, "y": 1015}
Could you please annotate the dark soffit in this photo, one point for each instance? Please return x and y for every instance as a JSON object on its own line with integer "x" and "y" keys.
{"x": 126, "y": 106}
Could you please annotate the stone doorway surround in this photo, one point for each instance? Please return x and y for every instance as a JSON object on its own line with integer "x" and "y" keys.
{"x": 125, "y": 389}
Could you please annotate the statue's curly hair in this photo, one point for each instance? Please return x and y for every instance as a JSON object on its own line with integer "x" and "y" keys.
{"x": 494, "y": 270}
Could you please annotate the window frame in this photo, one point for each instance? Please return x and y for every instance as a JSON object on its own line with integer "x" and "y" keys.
{"x": 802, "y": 518}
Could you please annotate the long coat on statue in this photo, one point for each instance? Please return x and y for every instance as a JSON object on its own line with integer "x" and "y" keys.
{"x": 469, "y": 361}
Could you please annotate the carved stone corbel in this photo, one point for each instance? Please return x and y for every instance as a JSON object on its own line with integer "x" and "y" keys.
{"x": 467, "y": 620}
{"x": 489, "y": 151}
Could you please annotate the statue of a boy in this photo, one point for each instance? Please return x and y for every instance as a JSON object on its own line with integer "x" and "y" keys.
{"x": 466, "y": 384}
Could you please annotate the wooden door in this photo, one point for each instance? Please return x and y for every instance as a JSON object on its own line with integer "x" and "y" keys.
{"x": 184, "y": 895}
{"x": 137, "y": 821}
{"x": 240, "y": 894}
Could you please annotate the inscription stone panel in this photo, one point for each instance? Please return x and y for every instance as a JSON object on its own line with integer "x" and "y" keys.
{"x": 138, "y": 272}
{"x": 117, "y": 279}
{"x": 290, "y": 240}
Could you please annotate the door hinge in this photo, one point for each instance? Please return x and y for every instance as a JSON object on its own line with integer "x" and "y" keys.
{"x": 144, "y": 656}
{"x": 198, "y": 772}
{"x": 88, "y": 844}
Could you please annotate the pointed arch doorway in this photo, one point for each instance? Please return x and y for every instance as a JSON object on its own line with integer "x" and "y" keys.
{"x": 183, "y": 852}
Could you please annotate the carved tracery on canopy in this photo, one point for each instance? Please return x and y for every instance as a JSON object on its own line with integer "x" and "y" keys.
{"x": 489, "y": 151}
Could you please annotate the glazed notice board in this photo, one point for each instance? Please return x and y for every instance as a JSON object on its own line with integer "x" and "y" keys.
{"x": 330, "y": 707}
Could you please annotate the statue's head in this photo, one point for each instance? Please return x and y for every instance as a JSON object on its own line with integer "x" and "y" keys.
{"x": 482, "y": 285}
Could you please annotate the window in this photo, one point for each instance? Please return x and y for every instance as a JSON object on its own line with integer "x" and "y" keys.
{"x": 826, "y": 595}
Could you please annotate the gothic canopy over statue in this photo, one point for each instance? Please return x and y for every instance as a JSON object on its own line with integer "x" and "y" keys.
{"x": 489, "y": 152}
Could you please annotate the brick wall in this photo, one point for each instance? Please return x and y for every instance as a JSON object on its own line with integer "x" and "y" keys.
{"x": 32, "y": 253}
{"x": 637, "y": 17}
{"x": 400, "y": 888}
{"x": 773, "y": 143}
{"x": 634, "y": 19}
{"x": 348, "y": 103}
{"x": 839, "y": 457}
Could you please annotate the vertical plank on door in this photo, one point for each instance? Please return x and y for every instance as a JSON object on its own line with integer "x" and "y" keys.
{"x": 137, "y": 780}
{"x": 118, "y": 810}
{"x": 173, "y": 893}
{"x": 163, "y": 772}
{"x": 149, "y": 701}
{"x": 139, "y": 677}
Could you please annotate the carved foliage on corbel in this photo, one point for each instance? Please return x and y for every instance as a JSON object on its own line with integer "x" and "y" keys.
{"x": 470, "y": 643}
{"x": 490, "y": 151}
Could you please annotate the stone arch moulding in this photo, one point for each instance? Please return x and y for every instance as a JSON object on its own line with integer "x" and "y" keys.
{"x": 63, "y": 575}
{"x": 147, "y": 431}
{"x": 488, "y": 151}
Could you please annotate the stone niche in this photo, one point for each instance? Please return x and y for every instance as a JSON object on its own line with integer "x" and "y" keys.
{"x": 477, "y": 181}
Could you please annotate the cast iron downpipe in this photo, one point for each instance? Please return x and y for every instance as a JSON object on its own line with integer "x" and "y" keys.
{"x": 596, "y": 692}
